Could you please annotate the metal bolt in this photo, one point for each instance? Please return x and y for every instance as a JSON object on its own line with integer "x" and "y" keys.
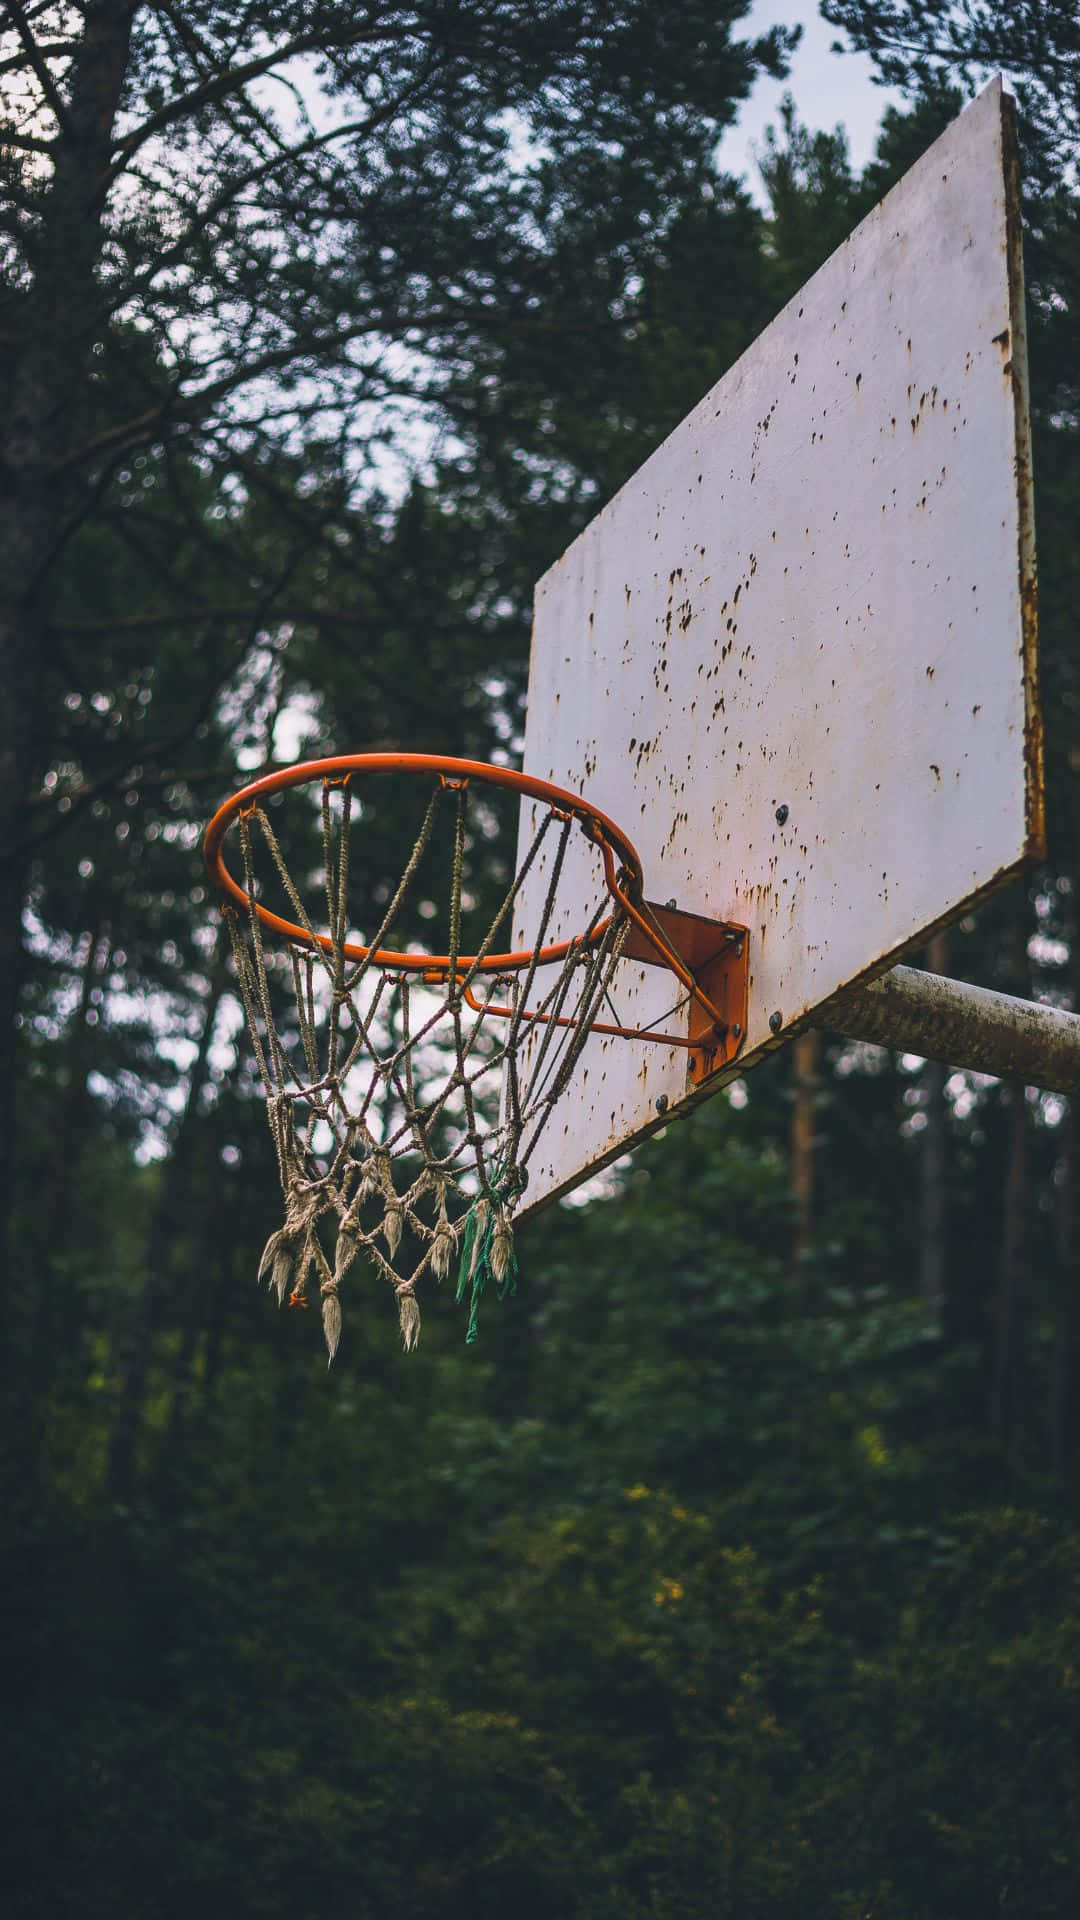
{"x": 672, "y": 905}
{"x": 781, "y": 815}
{"x": 776, "y": 1021}
{"x": 662, "y": 1103}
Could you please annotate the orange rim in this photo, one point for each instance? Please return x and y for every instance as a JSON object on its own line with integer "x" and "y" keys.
{"x": 596, "y": 826}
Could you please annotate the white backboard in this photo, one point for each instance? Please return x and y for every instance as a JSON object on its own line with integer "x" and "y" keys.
{"x": 818, "y": 596}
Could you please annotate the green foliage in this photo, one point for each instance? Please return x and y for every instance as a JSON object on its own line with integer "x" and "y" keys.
{"x": 644, "y": 1606}
{"x": 929, "y": 45}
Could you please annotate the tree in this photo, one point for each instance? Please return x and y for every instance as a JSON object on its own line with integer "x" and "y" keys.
{"x": 921, "y": 45}
{"x": 235, "y": 236}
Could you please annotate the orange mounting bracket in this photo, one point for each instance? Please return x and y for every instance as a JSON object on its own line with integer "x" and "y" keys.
{"x": 708, "y": 956}
{"x": 715, "y": 953}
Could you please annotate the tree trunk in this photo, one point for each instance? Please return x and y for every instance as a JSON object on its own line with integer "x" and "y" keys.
{"x": 166, "y": 1223}
{"x": 50, "y": 1309}
{"x": 57, "y": 321}
{"x": 1066, "y": 1246}
{"x": 933, "y": 1235}
{"x": 934, "y": 1197}
{"x": 1008, "y": 1380}
{"x": 806, "y": 1081}
{"x": 77, "y": 1103}
{"x": 1009, "y": 1370}
{"x": 1066, "y": 1280}
{"x": 59, "y": 1193}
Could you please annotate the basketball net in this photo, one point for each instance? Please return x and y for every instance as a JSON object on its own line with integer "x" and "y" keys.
{"x": 405, "y": 1105}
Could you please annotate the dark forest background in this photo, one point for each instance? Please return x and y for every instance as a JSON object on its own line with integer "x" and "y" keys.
{"x": 736, "y": 1571}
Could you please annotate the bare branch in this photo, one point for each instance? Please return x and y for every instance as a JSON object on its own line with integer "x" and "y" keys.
{"x": 195, "y": 617}
{"x": 202, "y": 218}
{"x": 54, "y": 49}
{"x": 232, "y": 80}
{"x": 194, "y": 407}
{"x": 26, "y": 142}
{"x": 79, "y": 798}
{"x": 222, "y": 777}
{"x": 131, "y": 433}
{"x": 33, "y": 54}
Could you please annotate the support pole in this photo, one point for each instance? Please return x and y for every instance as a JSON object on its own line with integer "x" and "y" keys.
{"x": 913, "y": 1012}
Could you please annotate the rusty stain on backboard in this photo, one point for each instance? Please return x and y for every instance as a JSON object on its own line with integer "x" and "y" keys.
{"x": 1017, "y": 369}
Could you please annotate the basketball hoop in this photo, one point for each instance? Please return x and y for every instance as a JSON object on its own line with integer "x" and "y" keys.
{"x": 407, "y": 1089}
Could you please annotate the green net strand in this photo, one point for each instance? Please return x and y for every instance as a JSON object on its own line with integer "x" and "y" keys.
{"x": 487, "y": 1246}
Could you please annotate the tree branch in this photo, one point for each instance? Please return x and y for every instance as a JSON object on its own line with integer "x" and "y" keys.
{"x": 33, "y": 54}
{"x": 195, "y": 617}
{"x": 26, "y": 142}
{"x": 55, "y": 47}
{"x": 194, "y": 407}
{"x": 202, "y": 219}
{"x": 131, "y": 433}
{"x": 223, "y": 84}
{"x": 82, "y": 797}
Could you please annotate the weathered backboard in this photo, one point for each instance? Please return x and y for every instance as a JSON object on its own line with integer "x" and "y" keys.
{"x": 794, "y": 658}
